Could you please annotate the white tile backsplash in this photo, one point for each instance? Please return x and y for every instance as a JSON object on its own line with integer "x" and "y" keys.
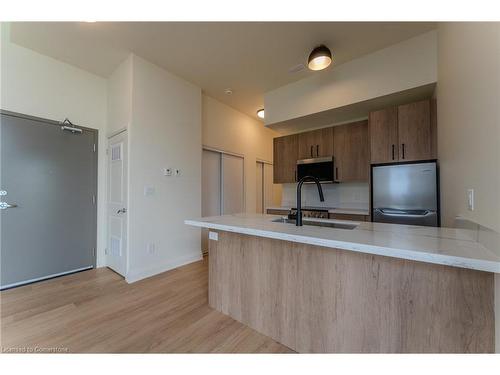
{"x": 343, "y": 195}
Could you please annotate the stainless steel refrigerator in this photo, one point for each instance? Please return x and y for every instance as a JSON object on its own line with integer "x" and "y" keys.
{"x": 406, "y": 194}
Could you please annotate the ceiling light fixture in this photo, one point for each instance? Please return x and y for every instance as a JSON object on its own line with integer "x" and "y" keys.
{"x": 228, "y": 91}
{"x": 260, "y": 113}
{"x": 320, "y": 58}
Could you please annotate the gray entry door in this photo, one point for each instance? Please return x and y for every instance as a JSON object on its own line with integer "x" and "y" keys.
{"x": 50, "y": 174}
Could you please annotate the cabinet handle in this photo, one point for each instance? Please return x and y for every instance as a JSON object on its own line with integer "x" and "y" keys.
{"x": 393, "y": 152}
{"x": 337, "y": 174}
{"x": 311, "y": 151}
{"x": 317, "y": 150}
{"x": 403, "y": 145}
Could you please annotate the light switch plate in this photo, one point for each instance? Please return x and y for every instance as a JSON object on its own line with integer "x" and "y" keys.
{"x": 470, "y": 199}
{"x": 149, "y": 190}
{"x": 214, "y": 236}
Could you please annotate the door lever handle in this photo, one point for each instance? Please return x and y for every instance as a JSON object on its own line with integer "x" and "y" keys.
{"x": 121, "y": 211}
{"x": 5, "y": 205}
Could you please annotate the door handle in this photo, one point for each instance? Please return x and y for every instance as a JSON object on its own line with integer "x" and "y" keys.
{"x": 5, "y": 205}
{"x": 121, "y": 211}
{"x": 393, "y": 152}
{"x": 403, "y": 146}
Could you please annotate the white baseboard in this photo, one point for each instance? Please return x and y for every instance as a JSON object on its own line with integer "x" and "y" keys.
{"x": 132, "y": 277}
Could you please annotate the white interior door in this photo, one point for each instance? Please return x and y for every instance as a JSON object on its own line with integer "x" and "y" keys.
{"x": 116, "y": 253}
{"x": 232, "y": 184}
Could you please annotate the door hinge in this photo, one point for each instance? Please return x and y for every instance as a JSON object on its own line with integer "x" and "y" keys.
{"x": 94, "y": 147}
{"x": 105, "y": 251}
{"x": 107, "y": 151}
{"x": 93, "y": 252}
{"x": 93, "y": 199}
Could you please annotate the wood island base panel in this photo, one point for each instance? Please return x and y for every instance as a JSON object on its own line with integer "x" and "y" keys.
{"x": 323, "y": 300}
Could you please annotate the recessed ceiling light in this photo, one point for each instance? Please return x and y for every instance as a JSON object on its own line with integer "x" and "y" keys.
{"x": 260, "y": 113}
{"x": 228, "y": 91}
{"x": 320, "y": 58}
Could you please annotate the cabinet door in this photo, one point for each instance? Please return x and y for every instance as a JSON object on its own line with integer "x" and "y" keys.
{"x": 414, "y": 131}
{"x": 285, "y": 152}
{"x": 307, "y": 143}
{"x": 316, "y": 143}
{"x": 351, "y": 148}
{"x": 383, "y": 130}
{"x": 324, "y": 146}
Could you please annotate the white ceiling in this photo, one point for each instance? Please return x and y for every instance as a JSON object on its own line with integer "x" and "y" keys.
{"x": 251, "y": 58}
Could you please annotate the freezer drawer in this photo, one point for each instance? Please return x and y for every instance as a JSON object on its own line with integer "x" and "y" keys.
{"x": 409, "y": 217}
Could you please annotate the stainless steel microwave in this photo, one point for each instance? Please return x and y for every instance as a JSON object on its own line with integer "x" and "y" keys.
{"x": 321, "y": 168}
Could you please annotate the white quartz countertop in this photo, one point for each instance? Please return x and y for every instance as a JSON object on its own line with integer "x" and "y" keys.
{"x": 446, "y": 246}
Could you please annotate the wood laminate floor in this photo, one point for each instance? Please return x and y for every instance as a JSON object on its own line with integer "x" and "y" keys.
{"x": 97, "y": 311}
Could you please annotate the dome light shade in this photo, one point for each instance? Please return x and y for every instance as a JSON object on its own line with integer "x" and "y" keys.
{"x": 260, "y": 113}
{"x": 320, "y": 58}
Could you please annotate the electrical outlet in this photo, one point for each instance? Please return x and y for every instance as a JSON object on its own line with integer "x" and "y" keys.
{"x": 167, "y": 172}
{"x": 177, "y": 172}
{"x": 151, "y": 248}
{"x": 470, "y": 199}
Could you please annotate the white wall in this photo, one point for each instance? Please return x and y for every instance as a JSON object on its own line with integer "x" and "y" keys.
{"x": 165, "y": 131}
{"x": 403, "y": 66}
{"x": 227, "y": 129}
{"x": 37, "y": 85}
{"x": 468, "y": 98}
{"x": 119, "y": 91}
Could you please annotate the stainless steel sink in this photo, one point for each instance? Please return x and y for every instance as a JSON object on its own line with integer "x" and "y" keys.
{"x": 326, "y": 224}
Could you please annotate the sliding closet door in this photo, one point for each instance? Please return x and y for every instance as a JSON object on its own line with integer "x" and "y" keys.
{"x": 265, "y": 186}
{"x": 222, "y": 190}
{"x": 211, "y": 190}
{"x": 268, "y": 185}
{"x": 259, "y": 188}
{"x": 232, "y": 184}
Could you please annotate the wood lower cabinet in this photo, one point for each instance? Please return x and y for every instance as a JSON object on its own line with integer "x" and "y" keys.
{"x": 351, "y": 150}
{"x": 274, "y": 211}
{"x": 414, "y": 131}
{"x": 285, "y": 151}
{"x": 316, "y": 143}
{"x": 383, "y": 132}
{"x": 353, "y": 217}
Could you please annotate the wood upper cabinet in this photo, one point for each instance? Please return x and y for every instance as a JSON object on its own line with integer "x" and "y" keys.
{"x": 285, "y": 155}
{"x": 383, "y": 131}
{"x": 316, "y": 143}
{"x": 405, "y": 133}
{"x": 414, "y": 131}
{"x": 351, "y": 148}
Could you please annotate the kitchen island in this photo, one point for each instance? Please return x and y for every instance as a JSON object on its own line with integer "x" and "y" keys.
{"x": 375, "y": 288}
